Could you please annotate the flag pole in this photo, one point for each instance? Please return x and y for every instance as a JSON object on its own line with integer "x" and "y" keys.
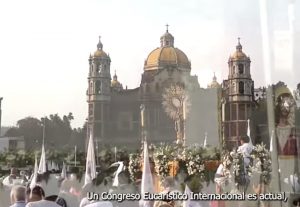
{"x": 115, "y": 154}
{"x": 75, "y": 154}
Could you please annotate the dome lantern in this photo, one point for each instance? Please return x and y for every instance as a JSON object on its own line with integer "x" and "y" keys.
{"x": 167, "y": 40}
{"x": 239, "y": 46}
{"x": 99, "y": 45}
{"x": 99, "y": 53}
{"x": 115, "y": 84}
{"x": 167, "y": 56}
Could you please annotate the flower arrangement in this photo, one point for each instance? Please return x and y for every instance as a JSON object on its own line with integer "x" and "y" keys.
{"x": 194, "y": 160}
{"x": 238, "y": 170}
{"x": 162, "y": 155}
{"x": 262, "y": 163}
{"x": 134, "y": 166}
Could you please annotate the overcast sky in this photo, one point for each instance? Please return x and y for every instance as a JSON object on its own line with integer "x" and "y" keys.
{"x": 45, "y": 45}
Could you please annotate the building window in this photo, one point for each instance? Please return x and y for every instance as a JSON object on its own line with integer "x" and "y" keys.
{"x": 233, "y": 129}
{"x": 91, "y": 87}
{"x": 233, "y": 70}
{"x": 91, "y": 68}
{"x": 241, "y": 68}
{"x": 98, "y": 68}
{"x": 90, "y": 109}
{"x": 233, "y": 112}
{"x": 241, "y": 87}
{"x": 242, "y": 112}
{"x": 98, "y": 87}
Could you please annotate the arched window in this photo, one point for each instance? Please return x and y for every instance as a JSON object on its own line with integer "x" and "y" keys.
{"x": 98, "y": 87}
{"x": 241, "y": 68}
{"x": 91, "y": 68}
{"x": 98, "y": 68}
{"x": 91, "y": 87}
{"x": 233, "y": 69}
{"x": 241, "y": 87}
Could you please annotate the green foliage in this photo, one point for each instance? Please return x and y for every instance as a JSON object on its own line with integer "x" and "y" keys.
{"x": 58, "y": 132}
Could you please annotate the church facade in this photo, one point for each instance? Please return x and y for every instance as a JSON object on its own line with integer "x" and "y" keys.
{"x": 219, "y": 112}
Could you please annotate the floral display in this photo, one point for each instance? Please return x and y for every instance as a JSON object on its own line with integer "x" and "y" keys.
{"x": 194, "y": 160}
{"x": 262, "y": 163}
{"x": 134, "y": 166}
{"x": 238, "y": 168}
{"x": 162, "y": 155}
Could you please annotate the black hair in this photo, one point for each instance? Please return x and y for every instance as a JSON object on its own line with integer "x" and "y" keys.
{"x": 245, "y": 138}
{"x": 37, "y": 190}
{"x": 55, "y": 198}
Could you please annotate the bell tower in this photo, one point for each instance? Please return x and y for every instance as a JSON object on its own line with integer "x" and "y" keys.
{"x": 99, "y": 94}
{"x": 238, "y": 91}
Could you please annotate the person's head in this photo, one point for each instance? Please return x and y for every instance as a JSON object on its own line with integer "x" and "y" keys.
{"x": 244, "y": 139}
{"x": 13, "y": 171}
{"x": 35, "y": 194}
{"x": 18, "y": 193}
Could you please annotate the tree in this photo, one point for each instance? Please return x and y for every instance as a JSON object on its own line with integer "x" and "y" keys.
{"x": 58, "y": 132}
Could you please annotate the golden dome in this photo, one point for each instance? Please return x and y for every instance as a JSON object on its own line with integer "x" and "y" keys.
{"x": 99, "y": 52}
{"x": 214, "y": 83}
{"x": 238, "y": 54}
{"x": 167, "y": 55}
{"x": 115, "y": 84}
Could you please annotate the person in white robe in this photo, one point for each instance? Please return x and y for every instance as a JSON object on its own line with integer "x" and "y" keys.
{"x": 246, "y": 149}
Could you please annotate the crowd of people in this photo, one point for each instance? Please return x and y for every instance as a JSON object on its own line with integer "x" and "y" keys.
{"x": 53, "y": 191}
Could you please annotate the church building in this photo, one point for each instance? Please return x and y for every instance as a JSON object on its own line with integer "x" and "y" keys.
{"x": 114, "y": 113}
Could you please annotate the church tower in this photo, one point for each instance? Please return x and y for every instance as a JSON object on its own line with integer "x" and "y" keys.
{"x": 99, "y": 94}
{"x": 238, "y": 97}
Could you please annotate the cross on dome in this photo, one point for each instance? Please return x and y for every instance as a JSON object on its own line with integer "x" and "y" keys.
{"x": 99, "y": 45}
{"x": 167, "y": 40}
{"x": 239, "y": 46}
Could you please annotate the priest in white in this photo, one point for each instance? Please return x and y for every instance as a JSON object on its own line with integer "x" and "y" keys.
{"x": 246, "y": 149}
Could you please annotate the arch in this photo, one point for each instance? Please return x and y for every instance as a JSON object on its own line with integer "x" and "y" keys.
{"x": 91, "y": 87}
{"x": 241, "y": 68}
{"x": 98, "y": 87}
{"x": 98, "y": 68}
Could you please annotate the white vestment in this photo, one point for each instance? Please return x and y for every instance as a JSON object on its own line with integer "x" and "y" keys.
{"x": 246, "y": 150}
